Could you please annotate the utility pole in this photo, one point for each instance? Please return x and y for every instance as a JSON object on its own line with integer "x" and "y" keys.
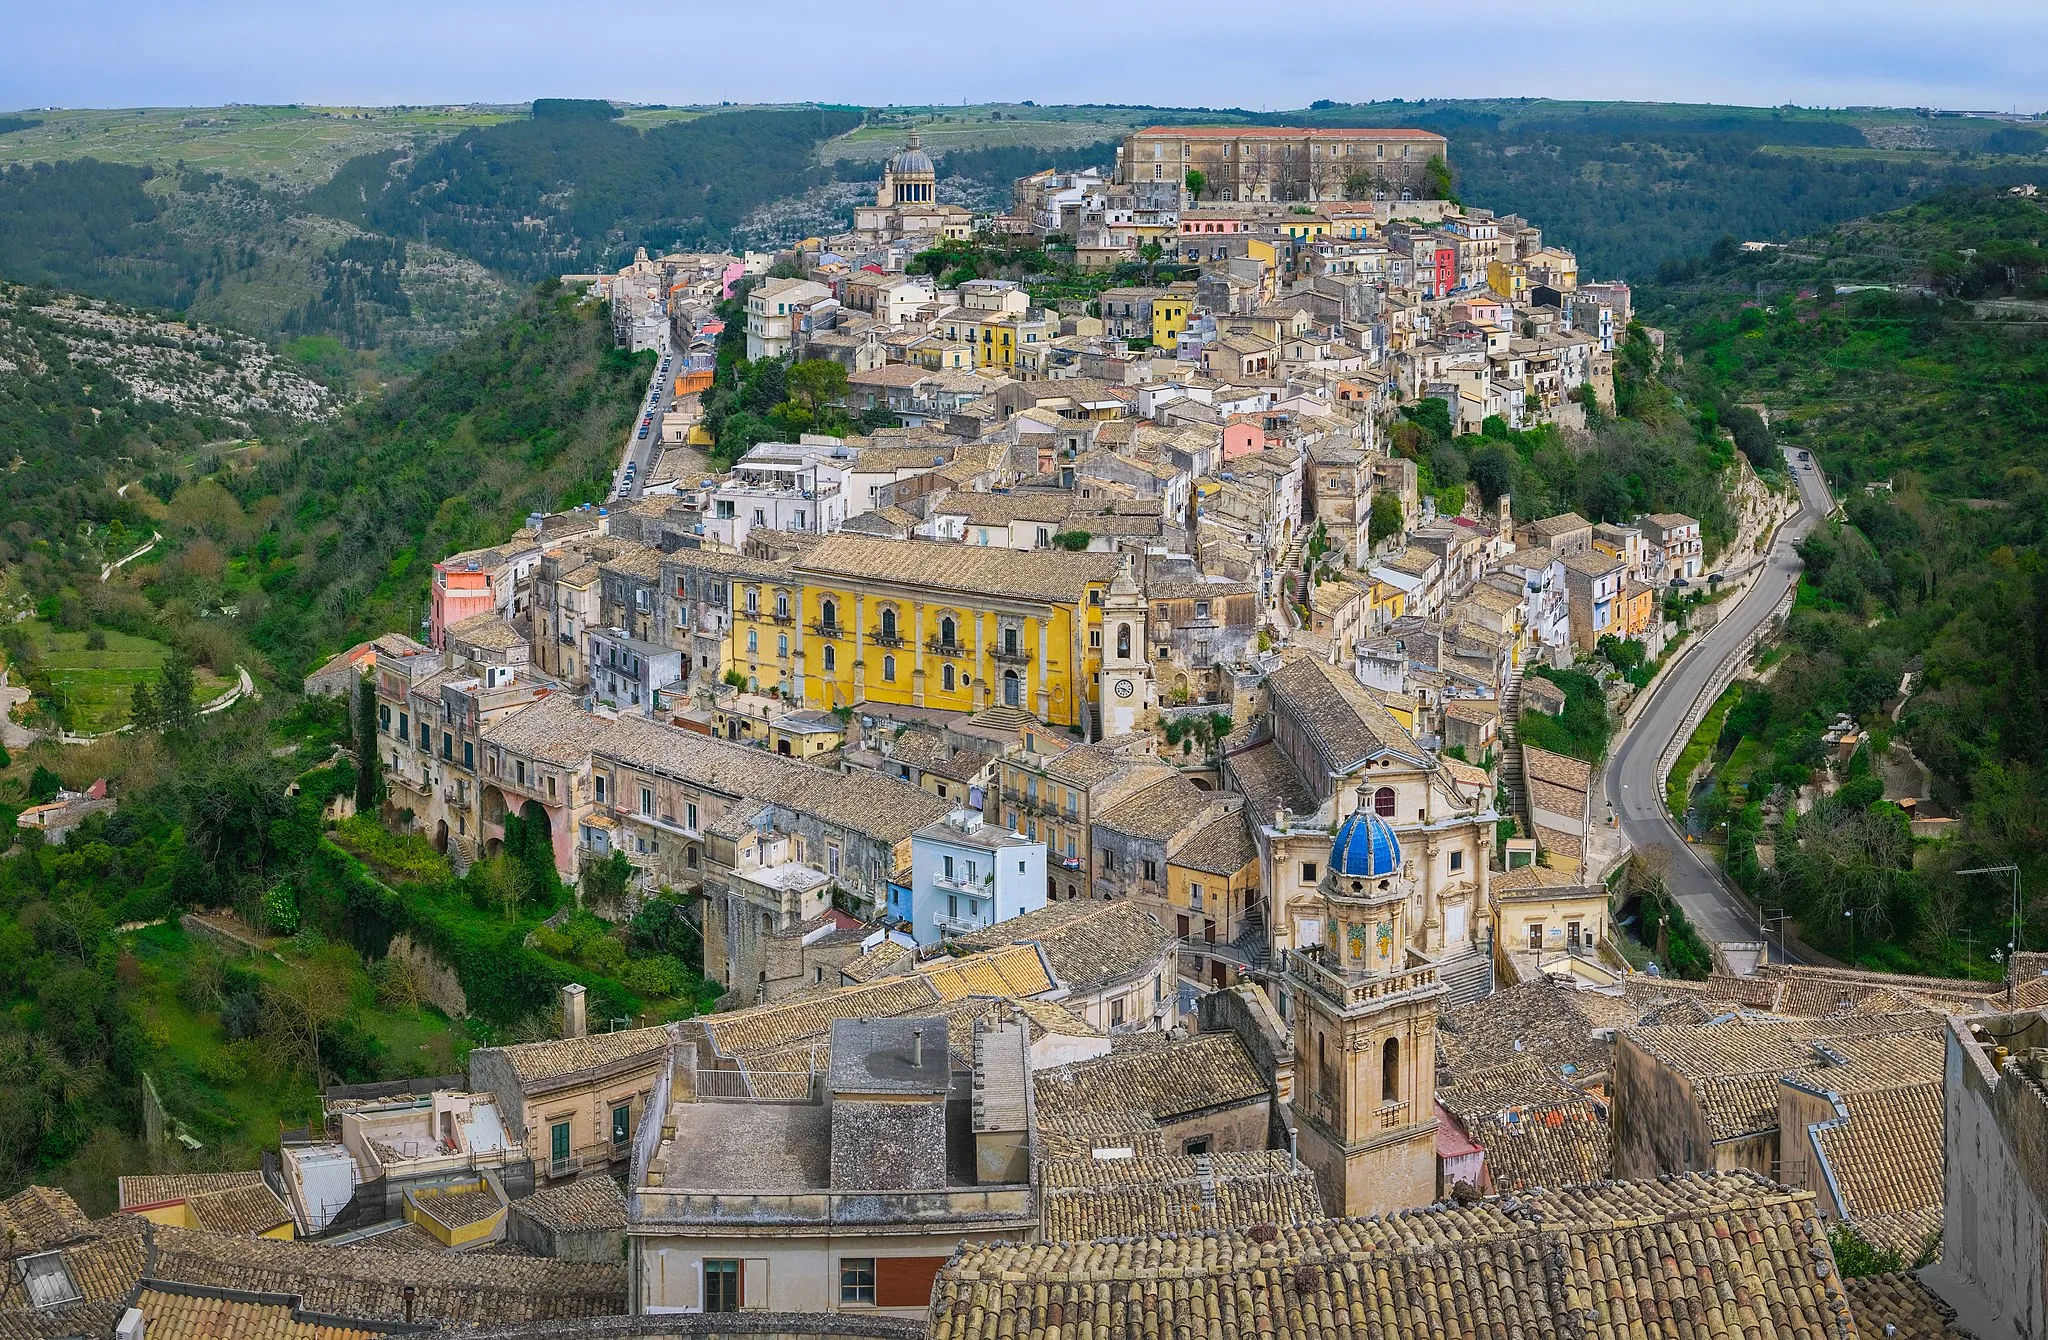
{"x": 2012, "y": 947}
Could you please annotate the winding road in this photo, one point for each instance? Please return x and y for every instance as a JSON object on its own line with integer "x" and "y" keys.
{"x": 1635, "y": 775}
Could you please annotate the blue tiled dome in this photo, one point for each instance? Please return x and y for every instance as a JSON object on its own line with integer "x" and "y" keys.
{"x": 1365, "y": 848}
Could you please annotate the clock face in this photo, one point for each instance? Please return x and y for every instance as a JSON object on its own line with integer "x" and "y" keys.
{"x": 1124, "y": 688}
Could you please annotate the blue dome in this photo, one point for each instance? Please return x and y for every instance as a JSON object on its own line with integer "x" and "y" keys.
{"x": 1365, "y": 848}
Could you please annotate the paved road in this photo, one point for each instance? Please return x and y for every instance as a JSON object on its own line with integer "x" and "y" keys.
{"x": 1635, "y": 790}
{"x": 641, "y": 450}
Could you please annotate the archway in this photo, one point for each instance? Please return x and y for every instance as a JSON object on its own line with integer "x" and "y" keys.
{"x": 441, "y": 837}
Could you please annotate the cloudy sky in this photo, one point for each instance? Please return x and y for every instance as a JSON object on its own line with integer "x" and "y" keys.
{"x": 121, "y": 53}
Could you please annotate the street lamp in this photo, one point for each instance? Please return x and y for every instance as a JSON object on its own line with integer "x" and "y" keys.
{"x": 1850, "y": 913}
{"x": 2018, "y": 925}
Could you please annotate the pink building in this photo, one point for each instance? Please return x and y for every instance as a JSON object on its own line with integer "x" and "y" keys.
{"x": 464, "y": 585}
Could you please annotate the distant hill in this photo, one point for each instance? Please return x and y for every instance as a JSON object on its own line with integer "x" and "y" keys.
{"x": 562, "y": 193}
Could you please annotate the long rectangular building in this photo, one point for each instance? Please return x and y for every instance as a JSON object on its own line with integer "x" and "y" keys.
{"x": 1283, "y": 162}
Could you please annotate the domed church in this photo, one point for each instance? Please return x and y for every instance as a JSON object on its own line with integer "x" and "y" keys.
{"x": 907, "y": 207}
{"x": 909, "y": 178}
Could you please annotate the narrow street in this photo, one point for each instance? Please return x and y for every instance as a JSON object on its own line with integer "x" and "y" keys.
{"x": 1635, "y": 782}
{"x": 643, "y": 439}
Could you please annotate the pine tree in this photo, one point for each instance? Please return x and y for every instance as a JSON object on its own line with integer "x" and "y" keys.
{"x": 142, "y": 708}
{"x": 369, "y": 767}
{"x": 177, "y": 703}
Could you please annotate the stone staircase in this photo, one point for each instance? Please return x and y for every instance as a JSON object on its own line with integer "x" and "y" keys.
{"x": 1468, "y": 975}
{"x": 461, "y": 854}
{"x": 1252, "y": 940}
{"x": 1511, "y": 753}
{"x": 1003, "y": 718}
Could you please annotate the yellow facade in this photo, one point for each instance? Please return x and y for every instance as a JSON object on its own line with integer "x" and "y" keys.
{"x": 179, "y": 1214}
{"x": 1510, "y": 279}
{"x": 1388, "y": 604}
{"x": 1636, "y": 610}
{"x": 419, "y": 1206}
{"x": 1169, "y": 319}
{"x": 850, "y": 659}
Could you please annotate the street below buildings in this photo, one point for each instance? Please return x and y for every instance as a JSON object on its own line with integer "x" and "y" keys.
{"x": 1635, "y": 772}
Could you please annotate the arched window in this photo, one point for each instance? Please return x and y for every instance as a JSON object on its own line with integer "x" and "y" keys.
{"x": 782, "y": 604}
{"x": 949, "y": 633}
{"x": 753, "y": 600}
{"x": 1390, "y": 1071}
{"x": 888, "y": 623}
{"x": 889, "y": 668}
{"x": 828, "y": 613}
{"x": 946, "y": 677}
{"x": 753, "y": 642}
{"x": 1123, "y": 641}
{"x": 831, "y": 662}
{"x": 1383, "y": 802}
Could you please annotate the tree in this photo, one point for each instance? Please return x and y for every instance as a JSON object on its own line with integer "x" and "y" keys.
{"x": 301, "y": 1006}
{"x": 43, "y": 785}
{"x": 1386, "y": 518}
{"x": 177, "y": 703}
{"x": 1432, "y": 415}
{"x": 369, "y": 763}
{"x": 1493, "y": 470}
{"x": 816, "y": 383}
{"x": 1436, "y": 179}
{"x": 1150, "y": 252}
{"x": 1359, "y": 185}
{"x": 606, "y": 883}
{"x": 1197, "y": 183}
{"x": 499, "y": 882}
{"x": 142, "y": 710}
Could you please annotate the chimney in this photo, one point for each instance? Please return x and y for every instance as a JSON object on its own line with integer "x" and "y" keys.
{"x": 409, "y": 1294}
{"x": 572, "y": 1011}
{"x": 917, "y": 1048}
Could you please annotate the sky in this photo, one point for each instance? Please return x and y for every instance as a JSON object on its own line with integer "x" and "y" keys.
{"x": 1967, "y": 54}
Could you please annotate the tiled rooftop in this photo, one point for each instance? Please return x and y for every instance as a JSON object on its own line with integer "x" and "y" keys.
{"x": 1689, "y": 1257}
{"x": 184, "y": 1313}
{"x": 553, "y": 1058}
{"x": 1536, "y": 1130}
{"x": 1086, "y": 1198}
{"x": 1042, "y": 574}
{"x": 1899, "y": 1307}
{"x": 1167, "y": 1079}
{"x": 1088, "y": 944}
{"x": 1885, "y": 1159}
{"x": 1347, "y": 723}
{"x": 1538, "y": 1019}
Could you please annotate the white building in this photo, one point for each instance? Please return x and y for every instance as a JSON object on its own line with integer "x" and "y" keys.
{"x": 781, "y": 486}
{"x": 966, "y": 874}
{"x": 772, "y": 312}
{"x": 627, "y": 673}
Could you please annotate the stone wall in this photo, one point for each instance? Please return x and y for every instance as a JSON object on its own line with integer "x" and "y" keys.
{"x": 439, "y": 985}
{"x": 1658, "y": 1125}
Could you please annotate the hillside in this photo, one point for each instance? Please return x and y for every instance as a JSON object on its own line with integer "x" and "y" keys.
{"x": 95, "y": 396}
{"x": 573, "y": 191}
{"x": 1935, "y": 388}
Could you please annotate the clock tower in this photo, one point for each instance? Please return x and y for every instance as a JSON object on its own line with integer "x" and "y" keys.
{"x": 1126, "y": 692}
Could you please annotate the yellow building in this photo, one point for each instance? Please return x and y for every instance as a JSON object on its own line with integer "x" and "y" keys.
{"x": 1389, "y": 602}
{"x": 1637, "y": 609}
{"x": 1509, "y": 279}
{"x": 1169, "y": 319}
{"x": 458, "y": 1213}
{"x": 959, "y": 627}
{"x": 237, "y": 1204}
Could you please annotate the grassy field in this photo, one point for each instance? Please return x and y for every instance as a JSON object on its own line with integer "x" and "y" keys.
{"x": 989, "y": 126}
{"x": 99, "y": 684}
{"x": 289, "y": 148}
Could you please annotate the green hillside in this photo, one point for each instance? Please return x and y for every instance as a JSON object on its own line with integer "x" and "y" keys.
{"x": 1927, "y": 402}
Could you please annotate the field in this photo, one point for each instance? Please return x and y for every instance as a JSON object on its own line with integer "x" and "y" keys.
{"x": 991, "y": 126}
{"x": 99, "y": 684}
{"x": 288, "y": 148}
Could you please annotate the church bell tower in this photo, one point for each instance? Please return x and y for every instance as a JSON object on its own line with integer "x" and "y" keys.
{"x": 1126, "y": 693}
{"x": 1364, "y": 1016}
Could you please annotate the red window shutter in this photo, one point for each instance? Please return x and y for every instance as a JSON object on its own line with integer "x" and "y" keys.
{"x": 905, "y": 1281}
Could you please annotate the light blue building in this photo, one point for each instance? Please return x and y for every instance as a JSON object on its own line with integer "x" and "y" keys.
{"x": 966, "y": 874}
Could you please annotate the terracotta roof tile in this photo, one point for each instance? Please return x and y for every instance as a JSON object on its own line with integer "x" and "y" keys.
{"x": 1087, "y": 1198}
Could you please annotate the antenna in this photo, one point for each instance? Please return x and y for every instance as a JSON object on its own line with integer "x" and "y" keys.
{"x": 2018, "y": 923}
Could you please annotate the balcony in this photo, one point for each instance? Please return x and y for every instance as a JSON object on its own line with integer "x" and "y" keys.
{"x": 952, "y": 649}
{"x": 1345, "y": 990}
{"x": 882, "y": 639}
{"x": 974, "y": 886}
{"x": 784, "y": 618}
{"x": 958, "y": 925}
{"x": 1012, "y": 656}
{"x": 831, "y": 630}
